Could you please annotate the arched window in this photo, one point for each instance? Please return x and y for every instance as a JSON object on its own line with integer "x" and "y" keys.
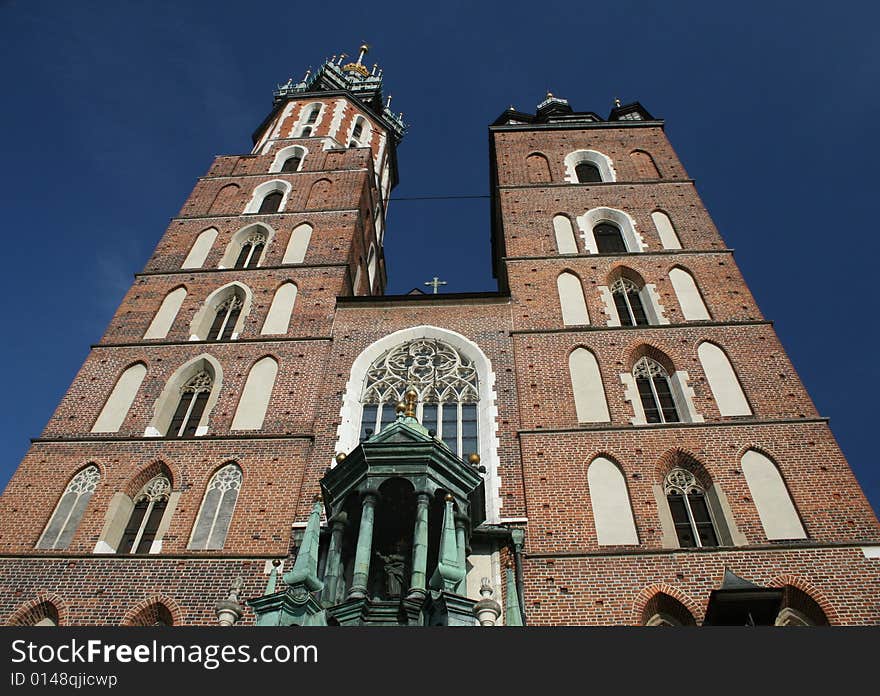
{"x": 564, "y": 232}
{"x": 371, "y": 267}
{"x": 306, "y": 132}
{"x": 288, "y": 159}
{"x": 313, "y": 115}
{"x": 779, "y": 518}
{"x": 360, "y": 136}
{"x": 588, "y": 166}
{"x": 226, "y": 317}
{"x": 689, "y": 298}
{"x": 448, "y": 389}
{"x": 663, "y": 610}
{"x": 218, "y": 505}
{"x": 156, "y": 614}
{"x": 628, "y": 302}
{"x": 655, "y": 392}
{"x": 291, "y": 164}
{"x": 162, "y": 322}
{"x": 666, "y": 231}
{"x": 278, "y": 318}
{"x": 271, "y": 202}
{"x": 586, "y": 383}
{"x": 587, "y": 173}
{"x": 609, "y": 238}
{"x": 70, "y": 509}
{"x": 200, "y": 248}
{"x": 612, "y": 513}
{"x": 298, "y": 244}
{"x": 251, "y": 250}
{"x": 571, "y": 300}
{"x": 690, "y": 511}
{"x": 256, "y": 395}
{"x": 146, "y": 516}
{"x": 608, "y": 230}
{"x": 193, "y": 399}
{"x": 722, "y": 380}
{"x": 119, "y": 402}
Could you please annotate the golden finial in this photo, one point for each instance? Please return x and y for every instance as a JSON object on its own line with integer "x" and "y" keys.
{"x": 364, "y": 48}
{"x": 411, "y": 397}
{"x": 449, "y": 498}
{"x": 474, "y": 458}
{"x": 400, "y": 408}
{"x": 549, "y": 95}
{"x": 617, "y": 103}
{"x": 319, "y": 498}
{"x": 340, "y": 457}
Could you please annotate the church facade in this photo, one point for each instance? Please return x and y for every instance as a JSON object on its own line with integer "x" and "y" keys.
{"x": 614, "y": 437}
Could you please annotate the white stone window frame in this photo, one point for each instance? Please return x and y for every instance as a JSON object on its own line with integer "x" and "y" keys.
{"x": 349, "y": 429}
{"x": 458, "y": 387}
{"x": 372, "y": 266}
{"x": 284, "y": 154}
{"x": 302, "y": 122}
{"x": 239, "y": 238}
{"x": 682, "y": 394}
{"x": 204, "y": 317}
{"x": 647, "y": 294}
{"x": 633, "y": 241}
{"x": 83, "y": 483}
{"x": 208, "y": 487}
{"x": 683, "y": 482}
{"x": 366, "y": 136}
{"x": 263, "y": 190}
{"x": 166, "y": 404}
{"x": 601, "y": 161}
{"x": 155, "y": 490}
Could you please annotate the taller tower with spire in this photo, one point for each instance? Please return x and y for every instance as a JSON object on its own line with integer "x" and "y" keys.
{"x": 615, "y": 436}
{"x": 181, "y": 448}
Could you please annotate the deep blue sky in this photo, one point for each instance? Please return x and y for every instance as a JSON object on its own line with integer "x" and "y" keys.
{"x": 111, "y": 110}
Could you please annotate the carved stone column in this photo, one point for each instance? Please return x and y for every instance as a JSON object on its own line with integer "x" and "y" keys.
{"x": 332, "y": 574}
{"x": 420, "y": 548}
{"x": 364, "y": 548}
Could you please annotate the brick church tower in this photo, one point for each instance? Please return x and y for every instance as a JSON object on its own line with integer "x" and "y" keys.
{"x": 615, "y": 437}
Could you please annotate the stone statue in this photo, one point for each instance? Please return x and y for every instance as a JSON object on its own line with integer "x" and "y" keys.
{"x": 395, "y": 572}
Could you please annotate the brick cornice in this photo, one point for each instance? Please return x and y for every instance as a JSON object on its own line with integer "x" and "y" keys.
{"x": 259, "y": 339}
{"x": 750, "y": 548}
{"x": 649, "y": 327}
{"x": 605, "y": 427}
{"x": 188, "y": 271}
{"x": 597, "y": 184}
{"x": 195, "y": 440}
{"x": 628, "y": 255}
{"x": 261, "y": 217}
{"x": 281, "y": 175}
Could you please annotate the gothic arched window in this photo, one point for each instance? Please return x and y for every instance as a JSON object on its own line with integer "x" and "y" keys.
{"x": 146, "y": 516}
{"x": 291, "y": 164}
{"x": 655, "y": 392}
{"x": 587, "y": 173}
{"x": 218, "y": 505}
{"x": 193, "y": 399}
{"x": 446, "y": 382}
{"x": 271, "y": 203}
{"x": 70, "y": 509}
{"x": 226, "y": 318}
{"x": 690, "y": 510}
{"x": 251, "y": 249}
{"x": 306, "y": 132}
{"x": 313, "y": 115}
{"x": 628, "y": 301}
{"x": 609, "y": 238}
